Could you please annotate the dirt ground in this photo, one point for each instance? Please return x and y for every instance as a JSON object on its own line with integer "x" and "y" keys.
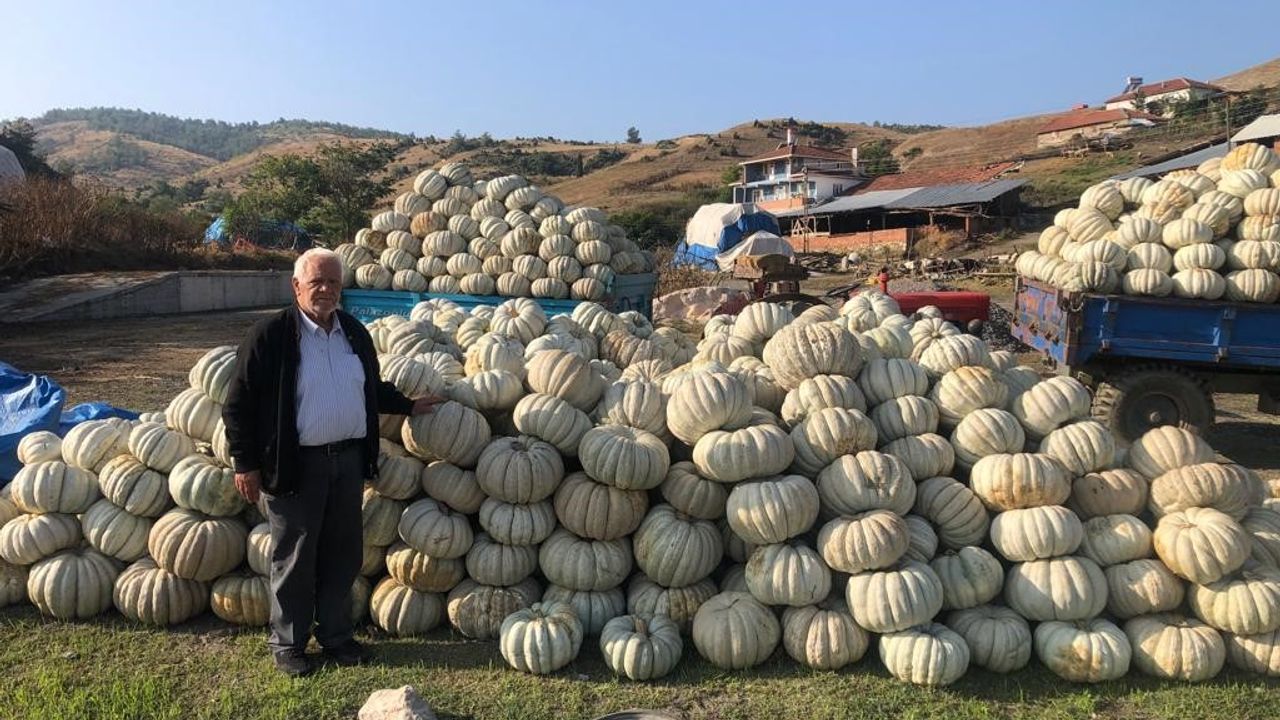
{"x": 141, "y": 363}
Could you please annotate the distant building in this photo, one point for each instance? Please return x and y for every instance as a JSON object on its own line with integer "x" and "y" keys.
{"x": 1084, "y": 124}
{"x": 1264, "y": 131}
{"x": 792, "y": 176}
{"x": 1162, "y": 94}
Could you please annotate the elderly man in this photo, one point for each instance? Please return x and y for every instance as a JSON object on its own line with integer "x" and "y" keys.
{"x": 302, "y": 426}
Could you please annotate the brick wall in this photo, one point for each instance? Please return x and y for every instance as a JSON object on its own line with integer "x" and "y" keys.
{"x": 895, "y": 239}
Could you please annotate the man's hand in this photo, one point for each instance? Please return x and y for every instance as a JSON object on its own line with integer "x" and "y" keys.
{"x": 250, "y": 485}
{"x": 424, "y": 405}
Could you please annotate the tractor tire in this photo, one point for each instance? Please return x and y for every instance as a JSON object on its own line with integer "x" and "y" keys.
{"x": 1134, "y": 401}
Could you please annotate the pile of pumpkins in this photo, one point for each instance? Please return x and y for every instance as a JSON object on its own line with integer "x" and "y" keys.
{"x": 1209, "y": 233}
{"x": 453, "y": 235}
{"x": 823, "y": 481}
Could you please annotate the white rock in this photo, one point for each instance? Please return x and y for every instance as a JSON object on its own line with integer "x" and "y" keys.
{"x": 401, "y": 704}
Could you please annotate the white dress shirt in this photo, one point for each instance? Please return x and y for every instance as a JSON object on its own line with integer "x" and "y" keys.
{"x": 330, "y": 391}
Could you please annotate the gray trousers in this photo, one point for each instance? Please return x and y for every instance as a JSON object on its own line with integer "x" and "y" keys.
{"x": 316, "y": 550}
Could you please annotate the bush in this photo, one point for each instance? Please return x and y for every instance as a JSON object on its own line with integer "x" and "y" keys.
{"x": 50, "y": 227}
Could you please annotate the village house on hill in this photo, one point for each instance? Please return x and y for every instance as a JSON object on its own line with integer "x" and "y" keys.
{"x": 1160, "y": 97}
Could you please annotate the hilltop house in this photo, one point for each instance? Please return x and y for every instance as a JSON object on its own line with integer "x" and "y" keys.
{"x": 1085, "y": 123}
{"x": 792, "y": 175}
{"x": 1160, "y": 96}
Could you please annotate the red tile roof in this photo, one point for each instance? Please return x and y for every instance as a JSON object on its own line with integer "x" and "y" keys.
{"x": 1087, "y": 118}
{"x": 1166, "y": 86}
{"x": 806, "y": 151}
{"x": 936, "y": 176}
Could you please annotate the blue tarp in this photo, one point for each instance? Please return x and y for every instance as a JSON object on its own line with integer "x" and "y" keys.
{"x": 701, "y": 256}
{"x": 270, "y": 234}
{"x": 30, "y": 403}
{"x": 724, "y": 234}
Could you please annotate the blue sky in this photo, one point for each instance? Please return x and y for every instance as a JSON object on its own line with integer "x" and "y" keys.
{"x": 589, "y": 70}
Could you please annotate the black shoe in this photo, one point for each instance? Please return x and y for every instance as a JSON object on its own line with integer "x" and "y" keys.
{"x": 347, "y": 654}
{"x": 293, "y": 663}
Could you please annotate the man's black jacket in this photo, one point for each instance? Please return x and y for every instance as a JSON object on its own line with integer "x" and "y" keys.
{"x": 261, "y": 410}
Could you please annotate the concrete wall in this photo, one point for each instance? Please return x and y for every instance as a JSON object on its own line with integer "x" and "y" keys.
{"x": 180, "y": 292}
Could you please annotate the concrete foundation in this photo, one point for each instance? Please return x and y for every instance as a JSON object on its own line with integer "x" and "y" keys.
{"x": 112, "y": 295}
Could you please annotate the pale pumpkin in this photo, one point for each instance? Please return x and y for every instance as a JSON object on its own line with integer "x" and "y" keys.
{"x": 1246, "y": 602}
{"x": 869, "y": 480}
{"x": 27, "y": 539}
{"x": 1201, "y": 544}
{"x": 567, "y": 376}
{"x": 772, "y": 510}
{"x": 1086, "y": 651}
{"x": 1175, "y": 647}
{"x": 1114, "y": 539}
{"x": 624, "y": 457}
{"x": 867, "y": 541}
{"x": 1034, "y": 533}
{"x": 451, "y": 432}
{"x": 581, "y": 564}
{"x": 641, "y": 647}
{"x": 241, "y": 599}
{"x": 1061, "y": 588}
{"x": 1019, "y": 480}
{"x": 593, "y": 608}
{"x": 1142, "y": 587}
{"x": 451, "y": 485}
{"x": 517, "y": 523}
{"x": 1082, "y": 447}
{"x": 966, "y": 389}
{"x": 597, "y": 511}
{"x": 477, "y": 611}
{"x": 73, "y": 584}
{"x": 91, "y": 444}
{"x": 519, "y": 469}
{"x": 988, "y": 431}
{"x": 706, "y": 402}
{"x": 894, "y": 599}
{"x": 53, "y": 487}
{"x": 115, "y": 533}
{"x": 930, "y": 654}
{"x": 195, "y": 546}
{"x": 823, "y": 636}
{"x": 552, "y": 420}
{"x": 674, "y": 549}
{"x": 1108, "y": 492}
{"x": 1230, "y": 489}
{"x": 719, "y": 631}
{"x": 647, "y": 598}
{"x": 39, "y": 446}
{"x": 493, "y": 563}
{"x": 692, "y": 494}
{"x": 198, "y": 483}
{"x": 423, "y": 572}
{"x": 954, "y": 509}
{"x": 1258, "y": 654}
{"x": 799, "y": 352}
{"x": 435, "y": 530}
{"x": 158, "y": 447}
{"x": 787, "y": 573}
{"x": 1263, "y": 526}
{"x": 1051, "y": 404}
{"x": 883, "y": 379}
{"x": 829, "y": 433}
{"x": 999, "y": 639}
{"x": 903, "y": 417}
{"x": 970, "y": 577}
{"x": 821, "y": 391}
{"x": 402, "y": 611}
{"x": 923, "y": 543}
{"x": 151, "y": 595}
{"x": 926, "y": 455}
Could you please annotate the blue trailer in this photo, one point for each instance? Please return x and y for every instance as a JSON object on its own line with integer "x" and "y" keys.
{"x": 1154, "y": 361}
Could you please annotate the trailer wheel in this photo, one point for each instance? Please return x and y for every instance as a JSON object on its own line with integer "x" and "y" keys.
{"x": 1135, "y": 401}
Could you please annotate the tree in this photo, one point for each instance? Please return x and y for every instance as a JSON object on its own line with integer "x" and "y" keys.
{"x": 20, "y": 137}
{"x": 633, "y": 135}
{"x": 1139, "y": 100}
{"x": 877, "y": 157}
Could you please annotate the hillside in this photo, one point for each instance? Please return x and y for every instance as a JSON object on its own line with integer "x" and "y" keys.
{"x": 1265, "y": 74}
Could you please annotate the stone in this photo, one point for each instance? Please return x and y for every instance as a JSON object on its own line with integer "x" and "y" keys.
{"x": 401, "y": 704}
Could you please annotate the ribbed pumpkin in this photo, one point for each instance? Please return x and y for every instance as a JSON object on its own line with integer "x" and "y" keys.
{"x": 829, "y": 433}
{"x": 1259, "y": 654}
{"x": 823, "y": 636}
{"x": 423, "y": 572}
{"x": 903, "y": 417}
{"x": 1114, "y": 539}
{"x": 519, "y": 469}
{"x": 517, "y": 523}
{"x": 1246, "y": 602}
{"x": 477, "y": 611}
{"x": 1034, "y": 533}
{"x": 565, "y": 375}
{"x": 1050, "y": 404}
{"x": 883, "y": 379}
{"x": 493, "y": 563}
{"x": 1107, "y": 492}
{"x": 894, "y": 599}
{"x": 1142, "y": 587}
{"x": 1087, "y": 651}
{"x": 624, "y": 457}
{"x": 593, "y": 608}
{"x": 91, "y": 444}
{"x": 964, "y": 390}
{"x": 597, "y": 511}
{"x": 27, "y": 539}
{"x": 821, "y": 391}
{"x": 53, "y": 487}
{"x": 114, "y": 532}
{"x": 1230, "y": 489}
{"x": 435, "y": 530}
{"x": 788, "y": 573}
{"x": 798, "y": 352}
{"x": 449, "y": 484}
{"x": 705, "y": 402}
{"x": 1167, "y": 448}
{"x": 1263, "y": 526}
{"x": 1174, "y": 647}
{"x": 999, "y": 639}
{"x": 772, "y": 510}
{"x": 451, "y": 432}
{"x": 869, "y": 480}
{"x": 552, "y": 420}
{"x": 718, "y": 631}
{"x": 39, "y": 446}
{"x": 867, "y": 541}
{"x": 926, "y": 455}
{"x": 645, "y": 597}
{"x": 159, "y": 448}
{"x": 988, "y": 431}
{"x": 151, "y": 595}
{"x": 582, "y": 564}
{"x": 73, "y": 584}
{"x": 402, "y": 611}
{"x": 954, "y": 509}
{"x": 930, "y": 654}
{"x": 1201, "y": 544}
{"x": 641, "y": 647}
{"x": 241, "y": 599}
{"x": 198, "y": 483}
{"x": 1019, "y": 480}
{"x": 380, "y": 517}
{"x": 693, "y": 494}
{"x": 674, "y": 549}
{"x": 1061, "y": 588}
{"x": 197, "y": 547}
{"x": 970, "y": 577}
{"x": 1082, "y": 447}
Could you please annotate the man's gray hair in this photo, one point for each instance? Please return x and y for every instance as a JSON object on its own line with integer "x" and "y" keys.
{"x": 313, "y": 255}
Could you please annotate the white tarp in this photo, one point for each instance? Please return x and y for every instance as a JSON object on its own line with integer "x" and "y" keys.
{"x": 10, "y": 170}
{"x": 709, "y": 221}
{"x": 760, "y": 243}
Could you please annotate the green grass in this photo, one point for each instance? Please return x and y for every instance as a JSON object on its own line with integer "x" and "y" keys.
{"x": 1068, "y": 179}
{"x": 110, "y": 668}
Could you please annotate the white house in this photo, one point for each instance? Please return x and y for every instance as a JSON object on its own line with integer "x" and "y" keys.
{"x": 1162, "y": 93}
{"x": 794, "y": 175}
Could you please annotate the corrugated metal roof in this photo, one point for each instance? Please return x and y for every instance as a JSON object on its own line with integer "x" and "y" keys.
{"x": 1183, "y": 161}
{"x": 960, "y": 194}
{"x": 1264, "y": 127}
{"x": 851, "y": 203}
